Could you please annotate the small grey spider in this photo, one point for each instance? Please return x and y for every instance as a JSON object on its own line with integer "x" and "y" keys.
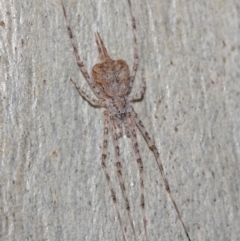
{"x": 112, "y": 82}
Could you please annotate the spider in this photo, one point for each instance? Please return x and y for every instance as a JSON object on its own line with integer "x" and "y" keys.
{"x": 112, "y": 82}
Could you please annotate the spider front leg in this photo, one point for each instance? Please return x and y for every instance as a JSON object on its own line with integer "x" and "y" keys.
{"x": 153, "y": 148}
{"x": 138, "y": 96}
{"x": 119, "y": 173}
{"x": 104, "y": 167}
{"x": 133, "y": 136}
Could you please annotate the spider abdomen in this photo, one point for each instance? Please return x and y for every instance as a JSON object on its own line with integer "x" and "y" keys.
{"x": 112, "y": 77}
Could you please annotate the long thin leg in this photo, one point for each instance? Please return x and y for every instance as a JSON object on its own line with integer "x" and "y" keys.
{"x": 78, "y": 58}
{"x": 89, "y": 99}
{"x": 141, "y": 92}
{"x": 135, "y": 63}
{"x": 153, "y": 148}
{"x": 133, "y": 136}
{"x": 104, "y": 167}
{"x": 119, "y": 174}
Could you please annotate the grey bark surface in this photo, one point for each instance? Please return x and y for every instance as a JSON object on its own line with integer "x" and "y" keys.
{"x": 52, "y": 186}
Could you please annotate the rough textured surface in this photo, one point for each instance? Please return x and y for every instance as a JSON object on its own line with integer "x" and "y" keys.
{"x": 51, "y": 183}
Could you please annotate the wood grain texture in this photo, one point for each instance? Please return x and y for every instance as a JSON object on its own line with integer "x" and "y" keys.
{"x": 52, "y": 185}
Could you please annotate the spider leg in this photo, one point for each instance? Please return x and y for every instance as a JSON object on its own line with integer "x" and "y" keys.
{"x": 141, "y": 92}
{"x": 133, "y": 136}
{"x": 153, "y": 148}
{"x": 135, "y": 63}
{"x": 119, "y": 173}
{"x": 89, "y": 99}
{"x": 119, "y": 128}
{"x": 104, "y": 167}
{"x": 80, "y": 63}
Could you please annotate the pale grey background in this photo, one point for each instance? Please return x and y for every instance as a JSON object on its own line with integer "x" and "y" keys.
{"x": 52, "y": 184}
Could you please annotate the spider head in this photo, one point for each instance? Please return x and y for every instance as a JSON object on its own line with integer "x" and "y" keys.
{"x": 113, "y": 77}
